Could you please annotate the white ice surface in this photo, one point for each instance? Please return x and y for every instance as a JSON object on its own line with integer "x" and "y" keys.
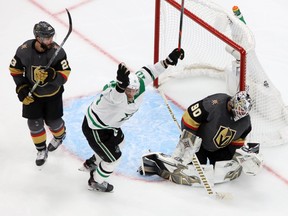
{"x": 106, "y": 33}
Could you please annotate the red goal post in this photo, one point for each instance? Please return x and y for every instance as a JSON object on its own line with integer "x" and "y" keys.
{"x": 218, "y": 44}
{"x": 205, "y": 25}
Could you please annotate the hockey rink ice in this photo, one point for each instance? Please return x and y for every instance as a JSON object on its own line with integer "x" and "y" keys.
{"x": 106, "y": 33}
{"x": 152, "y": 120}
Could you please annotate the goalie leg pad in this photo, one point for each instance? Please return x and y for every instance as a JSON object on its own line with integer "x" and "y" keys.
{"x": 179, "y": 177}
{"x": 226, "y": 171}
{"x": 155, "y": 163}
{"x": 249, "y": 158}
{"x": 149, "y": 165}
{"x": 168, "y": 168}
{"x": 194, "y": 175}
{"x": 251, "y": 164}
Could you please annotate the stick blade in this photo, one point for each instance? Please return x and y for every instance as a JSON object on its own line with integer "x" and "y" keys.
{"x": 70, "y": 20}
{"x": 222, "y": 196}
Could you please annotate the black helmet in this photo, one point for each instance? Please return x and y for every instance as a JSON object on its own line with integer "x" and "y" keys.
{"x": 43, "y": 29}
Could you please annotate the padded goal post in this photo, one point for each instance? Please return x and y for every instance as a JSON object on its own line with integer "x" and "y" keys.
{"x": 218, "y": 44}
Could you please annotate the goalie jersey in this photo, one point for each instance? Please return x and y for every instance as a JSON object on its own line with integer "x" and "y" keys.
{"x": 111, "y": 109}
{"x": 211, "y": 120}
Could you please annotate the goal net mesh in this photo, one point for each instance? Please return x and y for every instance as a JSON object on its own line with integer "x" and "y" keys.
{"x": 208, "y": 30}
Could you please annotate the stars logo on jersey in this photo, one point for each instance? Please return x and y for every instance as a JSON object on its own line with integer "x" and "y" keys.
{"x": 127, "y": 116}
{"x": 223, "y": 136}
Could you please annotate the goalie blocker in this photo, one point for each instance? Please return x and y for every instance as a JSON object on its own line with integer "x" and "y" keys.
{"x": 246, "y": 159}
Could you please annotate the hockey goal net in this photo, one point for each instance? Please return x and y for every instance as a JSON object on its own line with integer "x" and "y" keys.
{"x": 219, "y": 45}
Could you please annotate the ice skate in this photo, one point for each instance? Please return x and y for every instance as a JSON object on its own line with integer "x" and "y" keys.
{"x": 89, "y": 165}
{"x": 103, "y": 187}
{"x": 56, "y": 142}
{"x": 41, "y": 157}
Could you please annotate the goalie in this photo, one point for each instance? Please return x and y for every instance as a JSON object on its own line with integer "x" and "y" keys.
{"x": 214, "y": 129}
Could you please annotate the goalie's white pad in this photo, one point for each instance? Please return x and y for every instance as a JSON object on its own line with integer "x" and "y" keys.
{"x": 226, "y": 171}
{"x": 168, "y": 168}
{"x": 152, "y": 163}
{"x": 187, "y": 146}
{"x": 249, "y": 158}
{"x": 191, "y": 171}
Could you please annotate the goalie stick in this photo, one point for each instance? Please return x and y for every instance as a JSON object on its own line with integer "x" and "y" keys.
{"x": 56, "y": 52}
{"x": 206, "y": 184}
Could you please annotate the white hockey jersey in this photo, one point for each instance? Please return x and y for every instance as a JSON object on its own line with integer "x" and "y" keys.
{"x": 111, "y": 109}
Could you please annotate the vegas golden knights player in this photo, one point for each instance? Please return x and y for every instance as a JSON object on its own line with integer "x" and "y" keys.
{"x": 44, "y": 105}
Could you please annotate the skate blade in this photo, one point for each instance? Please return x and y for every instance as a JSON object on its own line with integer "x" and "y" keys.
{"x": 42, "y": 166}
{"x": 99, "y": 191}
{"x": 83, "y": 169}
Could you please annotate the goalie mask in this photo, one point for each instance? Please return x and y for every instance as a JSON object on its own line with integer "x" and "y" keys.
{"x": 241, "y": 105}
{"x": 133, "y": 82}
{"x": 43, "y": 30}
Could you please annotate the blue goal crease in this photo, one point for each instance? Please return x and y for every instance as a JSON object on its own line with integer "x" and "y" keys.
{"x": 151, "y": 128}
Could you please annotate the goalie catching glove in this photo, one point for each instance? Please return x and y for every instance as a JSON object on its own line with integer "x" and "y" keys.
{"x": 249, "y": 158}
{"x": 187, "y": 146}
{"x": 173, "y": 57}
{"x": 43, "y": 75}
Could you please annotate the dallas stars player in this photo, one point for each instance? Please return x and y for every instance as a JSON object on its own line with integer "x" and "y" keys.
{"x": 118, "y": 101}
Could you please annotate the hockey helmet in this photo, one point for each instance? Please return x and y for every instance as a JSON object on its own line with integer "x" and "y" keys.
{"x": 133, "y": 81}
{"x": 43, "y": 29}
{"x": 241, "y": 104}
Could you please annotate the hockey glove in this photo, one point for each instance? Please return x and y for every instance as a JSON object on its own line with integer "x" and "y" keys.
{"x": 52, "y": 74}
{"x": 42, "y": 75}
{"x": 173, "y": 57}
{"x": 122, "y": 78}
{"x": 23, "y": 92}
{"x": 28, "y": 100}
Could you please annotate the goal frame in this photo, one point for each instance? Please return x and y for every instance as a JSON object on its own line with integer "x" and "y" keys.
{"x": 219, "y": 32}
{"x": 215, "y": 32}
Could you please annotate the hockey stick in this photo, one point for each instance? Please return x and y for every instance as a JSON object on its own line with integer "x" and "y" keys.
{"x": 56, "y": 52}
{"x": 196, "y": 162}
{"x": 181, "y": 24}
